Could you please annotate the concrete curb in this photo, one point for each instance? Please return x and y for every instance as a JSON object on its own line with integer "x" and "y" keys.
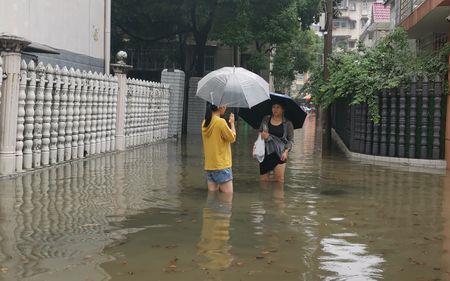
{"x": 411, "y": 163}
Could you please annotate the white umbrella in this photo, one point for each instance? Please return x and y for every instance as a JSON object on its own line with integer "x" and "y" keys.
{"x": 233, "y": 87}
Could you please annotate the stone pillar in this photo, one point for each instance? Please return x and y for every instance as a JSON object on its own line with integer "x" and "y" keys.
{"x": 120, "y": 69}
{"x": 10, "y": 47}
{"x": 175, "y": 78}
{"x": 196, "y": 108}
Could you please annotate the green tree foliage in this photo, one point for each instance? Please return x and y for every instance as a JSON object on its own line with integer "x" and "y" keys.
{"x": 148, "y": 21}
{"x": 240, "y": 23}
{"x": 297, "y": 56}
{"x": 361, "y": 75}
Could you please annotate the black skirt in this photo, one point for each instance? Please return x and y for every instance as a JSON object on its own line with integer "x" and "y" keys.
{"x": 269, "y": 163}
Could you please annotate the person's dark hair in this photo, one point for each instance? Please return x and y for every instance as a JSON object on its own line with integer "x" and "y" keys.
{"x": 280, "y": 103}
{"x": 210, "y": 108}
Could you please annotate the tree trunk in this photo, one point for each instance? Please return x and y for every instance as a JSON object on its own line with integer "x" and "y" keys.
{"x": 182, "y": 51}
{"x": 199, "y": 56}
{"x": 324, "y": 114}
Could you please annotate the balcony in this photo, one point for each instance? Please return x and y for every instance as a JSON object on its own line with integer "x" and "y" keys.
{"x": 408, "y": 6}
{"x": 421, "y": 17}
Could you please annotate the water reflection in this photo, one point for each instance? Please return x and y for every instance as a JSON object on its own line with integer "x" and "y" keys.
{"x": 58, "y": 220}
{"x": 214, "y": 248}
{"x": 349, "y": 261}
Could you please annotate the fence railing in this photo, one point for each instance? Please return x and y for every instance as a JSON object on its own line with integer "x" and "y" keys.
{"x": 411, "y": 123}
{"x": 52, "y": 115}
{"x": 147, "y": 114}
{"x": 407, "y": 7}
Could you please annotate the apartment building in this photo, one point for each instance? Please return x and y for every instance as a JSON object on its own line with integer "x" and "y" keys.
{"x": 352, "y": 19}
{"x": 379, "y": 24}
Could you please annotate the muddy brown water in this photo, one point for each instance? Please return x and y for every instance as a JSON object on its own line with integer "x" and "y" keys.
{"x": 146, "y": 215}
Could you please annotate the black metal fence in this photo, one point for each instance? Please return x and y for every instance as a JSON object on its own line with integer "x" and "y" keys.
{"x": 411, "y": 124}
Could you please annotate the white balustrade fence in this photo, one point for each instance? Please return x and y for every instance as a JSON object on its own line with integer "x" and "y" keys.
{"x": 63, "y": 114}
{"x": 67, "y": 114}
{"x": 1, "y": 76}
{"x": 147, "y": 112}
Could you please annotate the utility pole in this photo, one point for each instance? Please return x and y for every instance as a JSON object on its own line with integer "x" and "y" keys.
{"x": 324, "y": 113}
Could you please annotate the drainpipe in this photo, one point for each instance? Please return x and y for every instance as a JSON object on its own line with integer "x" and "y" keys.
{"x": 107, "y": 36}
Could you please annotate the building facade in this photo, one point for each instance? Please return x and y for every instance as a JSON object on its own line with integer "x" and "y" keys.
{"x": 352, "y": 19}
{"x": 426, "y": 21}
{"x": 378, "y": 26}
{"x": 72, "y": 33}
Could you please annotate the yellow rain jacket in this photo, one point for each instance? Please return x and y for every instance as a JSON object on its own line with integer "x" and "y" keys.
{"x": 217, "y": 138}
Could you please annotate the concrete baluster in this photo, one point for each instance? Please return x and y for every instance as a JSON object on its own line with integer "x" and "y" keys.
{"x": 47, "y": 118}
{"x": 69, "y": 122}
{"x": 94, "y": 114}
{"x": 89, "y": 99}
{"x": 82, "y": 119}
{"x": 76, "y": 114}
{"x": 20, "y": 113}
{"x": 114, "y": 113}
{"x": 63, "y": 113}
{"x": 55, "y": 116}
{"x": 38, "y": 116}
{"x": 101, "y": 89}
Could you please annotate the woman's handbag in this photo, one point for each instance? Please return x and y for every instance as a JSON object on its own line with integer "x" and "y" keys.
{"x": 259, "y": 149}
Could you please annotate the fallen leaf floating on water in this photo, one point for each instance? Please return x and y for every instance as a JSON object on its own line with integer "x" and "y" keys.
{"x": 173, "y": 263}
{"x": 416, "y": 262}
{"x": 290, "y": 239}
{"x": 264, "y": 252}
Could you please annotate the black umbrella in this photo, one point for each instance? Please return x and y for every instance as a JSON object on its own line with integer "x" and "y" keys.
{"x": 293, "y": 111}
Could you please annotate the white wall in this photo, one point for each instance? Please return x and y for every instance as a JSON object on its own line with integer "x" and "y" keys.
{"x": 72, "y": 25}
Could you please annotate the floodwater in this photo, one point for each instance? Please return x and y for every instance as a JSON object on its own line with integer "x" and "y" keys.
{"x": 146, "y": 215}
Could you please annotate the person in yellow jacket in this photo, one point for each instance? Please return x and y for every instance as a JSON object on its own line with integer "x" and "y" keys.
{"x": 217, "y": 137}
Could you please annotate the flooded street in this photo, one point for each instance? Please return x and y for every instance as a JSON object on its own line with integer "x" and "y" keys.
{"x": 146, "y": 215}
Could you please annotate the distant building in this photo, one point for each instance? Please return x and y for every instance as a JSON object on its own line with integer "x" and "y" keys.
{"x": 378, "y": 26}
{"x": 298, "y": 83}
{"x": 69, "y": 33}
{"x": 347, "y": 28}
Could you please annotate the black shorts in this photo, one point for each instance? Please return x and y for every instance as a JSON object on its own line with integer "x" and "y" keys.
{"x": 269, "y": 163}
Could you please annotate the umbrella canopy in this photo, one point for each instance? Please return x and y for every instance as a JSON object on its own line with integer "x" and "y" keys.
{"x": 293, "y": 111}
{"x": 233, "y": 87}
